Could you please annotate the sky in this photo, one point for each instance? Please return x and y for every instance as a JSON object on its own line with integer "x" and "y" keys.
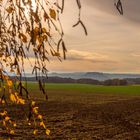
{"x": 113, "y": 41}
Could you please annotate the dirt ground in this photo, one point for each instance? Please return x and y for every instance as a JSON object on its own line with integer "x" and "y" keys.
{"x": 116, "y": 120}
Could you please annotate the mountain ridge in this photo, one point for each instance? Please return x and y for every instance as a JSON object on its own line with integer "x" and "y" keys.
{"x": 94, "y": 75}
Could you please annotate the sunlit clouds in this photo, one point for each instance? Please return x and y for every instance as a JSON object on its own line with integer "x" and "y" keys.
{"x": 87, "y": 56}
{"x": 113, "y": 43}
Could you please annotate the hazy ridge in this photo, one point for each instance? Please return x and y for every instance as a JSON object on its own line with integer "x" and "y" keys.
{"x": 94, "y": 75}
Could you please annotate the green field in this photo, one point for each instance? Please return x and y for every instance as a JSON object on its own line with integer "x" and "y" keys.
{"x": 85, "y": 93}
{"x": 85, "y": 88}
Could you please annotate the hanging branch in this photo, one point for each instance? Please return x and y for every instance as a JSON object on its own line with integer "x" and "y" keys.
{"x": 79, "y": 22}
{"x": 119, "y": 6}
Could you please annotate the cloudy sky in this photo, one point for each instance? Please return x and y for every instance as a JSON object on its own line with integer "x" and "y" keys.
{"x": 113, "y": 41}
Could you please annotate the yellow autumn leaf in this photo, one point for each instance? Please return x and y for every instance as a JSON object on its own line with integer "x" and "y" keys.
{"x": 21, "y": 101}
{"x": 47, "y": 132}
{"x": 29, "y": 123}
{"x": 33, "y": 103}
{"x": 13, "y": 98}
{"x": 3, "y": 113}
{"x": 35, "y": 131}
{"x": 42, "y": 124}
{"x": 39, "y": 116}
{"x": 14, "y": 124}
{"x": 2, "y": 101}
{"x": 9, "y": 83}
{"x": 35, "y": 110}
{"x": 16, "y": 94}
{"x": 52, "y": 13}
{"x": 3, "y": 123}
{"x": 16, "y": 99}
{"x": 7, "y": 118}
{"x": 12, "y": 132}
{"x": 10, "y": 9}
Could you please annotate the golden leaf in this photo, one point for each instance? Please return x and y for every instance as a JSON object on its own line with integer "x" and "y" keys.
{"x": 14, "y": 124}
{"x": 23, "y": 37}
{"x": 47, "y": 132}
{"x": 29, "y": 123}
{"x": 42, "y": 124}
{"x": 3, "y": 123}
{"x": 3, "y": 113}
{"x": 9, "y": 83}
{"x": 39, "y": 116}
{"x": 35, "y": 110}
{"x": 33, "y": 103}
{"x": 16, "y": 99}
{"x": 12, "y": 132}
{"x": 21, "y": 101}
{"x": 10, "y": 9}
{"x": 6, "y": 118}
{"x": 3, "y": 102}
{"x": 35, "y": 131}
{"x": 13, "y": 98}
{"x": 53, "y": 14}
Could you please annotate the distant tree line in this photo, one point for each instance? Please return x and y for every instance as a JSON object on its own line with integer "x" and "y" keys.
{"x": 115, "y": 82}
{"x": 110, "y": 82}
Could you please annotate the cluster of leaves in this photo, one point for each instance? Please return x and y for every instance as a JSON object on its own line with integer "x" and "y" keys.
{"x": 24, "y": 31}
{"x": 27, "y": 28}
{"x": 38, "y": 119}
{"x": 7, "y": 87}
{"x": 7, "y": 123}
{"x": 14, "y": 97}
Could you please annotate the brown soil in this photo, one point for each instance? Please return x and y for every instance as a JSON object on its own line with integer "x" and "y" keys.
{"x": 118, "y": 120}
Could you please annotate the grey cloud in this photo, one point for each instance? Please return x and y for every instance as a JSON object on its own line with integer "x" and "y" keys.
{"x": 131, "y": 8}
{"x": 94, "y": 57}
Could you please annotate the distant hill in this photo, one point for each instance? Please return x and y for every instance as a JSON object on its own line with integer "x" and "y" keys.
{"x": 96, "y": 78}
{"x": 63, "y": 80}
{"x": 109, "y": 82}
{"x": 94, "y": 75}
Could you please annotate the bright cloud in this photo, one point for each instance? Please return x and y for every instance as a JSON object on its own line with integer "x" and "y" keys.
{"x": 88, "y": 56}
{"x": 113, "y": 43}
